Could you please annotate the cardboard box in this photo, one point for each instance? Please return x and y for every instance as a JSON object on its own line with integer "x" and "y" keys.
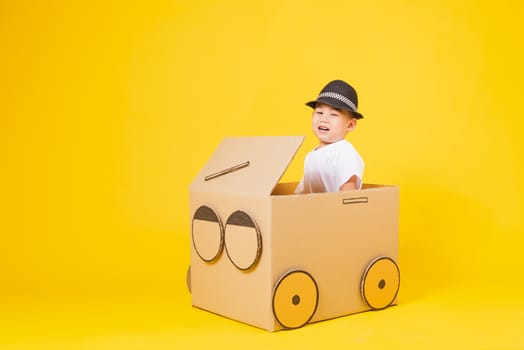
{"x": 264, "y": 256}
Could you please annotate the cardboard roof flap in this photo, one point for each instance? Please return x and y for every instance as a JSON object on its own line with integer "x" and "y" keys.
{"x": 247, "y": 165}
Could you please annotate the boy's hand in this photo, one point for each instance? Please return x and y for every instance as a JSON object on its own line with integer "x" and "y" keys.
{"x": 351, "y": 184}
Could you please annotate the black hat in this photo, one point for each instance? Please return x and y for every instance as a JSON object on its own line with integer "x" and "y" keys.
{"x": 338, "y": 94}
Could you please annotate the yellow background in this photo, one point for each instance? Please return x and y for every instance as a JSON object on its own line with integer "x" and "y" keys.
{"x": 109, "y": 109}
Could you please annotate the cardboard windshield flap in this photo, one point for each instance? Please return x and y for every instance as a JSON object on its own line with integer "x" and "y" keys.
{"x": 262, "y": 255}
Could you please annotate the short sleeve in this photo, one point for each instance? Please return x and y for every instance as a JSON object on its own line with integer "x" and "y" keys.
{"x": 351, "y": 164}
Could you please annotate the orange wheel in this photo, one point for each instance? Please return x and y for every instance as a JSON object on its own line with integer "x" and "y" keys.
{"x": 295, "y": 299}
{"x": 188, "y": 279}
{"x": 380, "y": 283}
{"x": 208, "y": 234}
{"x": 242, "y": 240}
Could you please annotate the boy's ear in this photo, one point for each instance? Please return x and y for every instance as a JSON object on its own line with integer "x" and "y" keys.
{"x": 352, "y": 124}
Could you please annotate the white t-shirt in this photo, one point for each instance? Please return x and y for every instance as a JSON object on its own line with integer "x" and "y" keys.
{"x": 329, "y": 167}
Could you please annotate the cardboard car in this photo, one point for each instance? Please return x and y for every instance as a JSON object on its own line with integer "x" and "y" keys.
{"x": 265, "y": 256}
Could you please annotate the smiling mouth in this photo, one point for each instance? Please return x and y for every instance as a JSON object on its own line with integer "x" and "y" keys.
{"x": 323, "y": 128}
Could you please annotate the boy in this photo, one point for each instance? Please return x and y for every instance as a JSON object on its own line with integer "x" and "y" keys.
{"x": 334, "y": 165}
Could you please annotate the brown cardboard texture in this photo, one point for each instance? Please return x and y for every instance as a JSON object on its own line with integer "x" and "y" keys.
{"x": 264, "y": 256}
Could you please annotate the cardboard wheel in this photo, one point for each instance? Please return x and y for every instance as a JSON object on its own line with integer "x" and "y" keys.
{"x": 242, "y": 240}
{"x": 380, "y": 283}
{"x": 295, "y": 299}
{"x": 188, "y": 279}
{"x": 207, "y": 233}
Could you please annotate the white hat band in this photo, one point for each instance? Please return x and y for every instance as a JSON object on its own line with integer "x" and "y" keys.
{"x": 340, "y": 98}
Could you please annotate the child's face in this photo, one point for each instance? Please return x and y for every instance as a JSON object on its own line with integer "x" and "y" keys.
{"x": 331, "y": 124}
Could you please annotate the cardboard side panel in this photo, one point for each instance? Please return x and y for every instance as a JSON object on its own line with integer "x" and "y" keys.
{"x": 334, "y": 237}
{"x": 237, "y": 284}
{"x": 285, "y": 188}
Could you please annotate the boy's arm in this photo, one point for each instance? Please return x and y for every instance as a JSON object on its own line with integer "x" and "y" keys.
{"x": 300, "y": 187}
{"x": 351, "y": 184}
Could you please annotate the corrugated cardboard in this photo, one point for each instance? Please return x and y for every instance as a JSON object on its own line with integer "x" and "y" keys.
{"x": 254, "y": 242}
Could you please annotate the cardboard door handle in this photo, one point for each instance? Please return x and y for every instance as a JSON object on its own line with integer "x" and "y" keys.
{"x": 355, "y": 200}
{"x": 226, "y": 171}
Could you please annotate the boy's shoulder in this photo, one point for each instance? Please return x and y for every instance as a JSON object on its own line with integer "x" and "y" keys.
{"x": 345, "y": 150}
{"x": 342, "y": 145}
